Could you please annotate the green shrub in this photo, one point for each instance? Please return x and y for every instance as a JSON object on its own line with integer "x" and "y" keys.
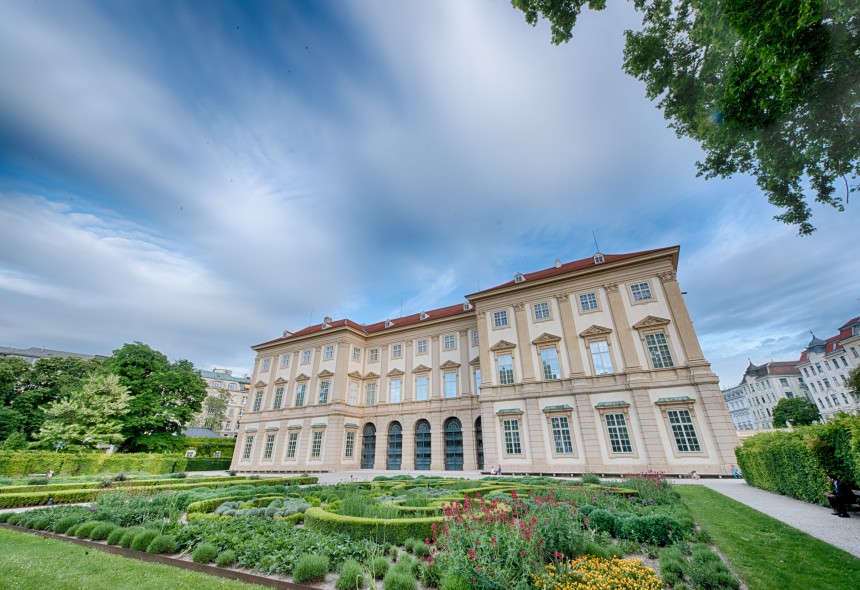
{"x": 351, "y": 577}
{"x": 84, "y": 530}
{"x": 409, "y": 544}
{"x": 653, "y": 529}
{"x": 38, "y": 481}
{"x": 395, "y": 530}
{"x": 421, "y": 549}
{"x": 5, "y": 515}
{"x": 455, "y": 582}
{"x": 591, "y": 478}
{"x": 129, "y": 535}
{"x": 102, "y": 531}
{"x": 226, "y": 558}
{"x": 14, "y": 518}
{"x": 208, "y": 464}
{"x": 65, "y": 523}
{"x": 673, "y": 565}
{"x": 204, "y": 553}
{"x": 310, "y": 568}
{"x": 142, "y": 540}
{"x": 162, "y": 544}
{"x": 399, "y": 580}
{"x": 602, "y": 520}
{"x": 378, "y": 567}
{"x": 115, "y": 535}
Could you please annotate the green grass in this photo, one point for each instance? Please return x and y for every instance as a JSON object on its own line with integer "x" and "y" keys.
{"x": 29, "y": 562}
{"x": 766, "y": 553}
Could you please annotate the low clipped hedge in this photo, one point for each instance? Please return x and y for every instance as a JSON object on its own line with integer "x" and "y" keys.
{"x": 88, "y": 495}
{"x": 210, "y": 504}
{"x": 795, "y": 463}
{"x": 26, "y": 462}
{"x": 381, "y": 530}
{"x": 129, "y": 483}
{"x": 208, "y": 464}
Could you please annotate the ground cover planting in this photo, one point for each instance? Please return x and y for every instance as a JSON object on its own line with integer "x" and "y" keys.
{"x": 411, "y": 533}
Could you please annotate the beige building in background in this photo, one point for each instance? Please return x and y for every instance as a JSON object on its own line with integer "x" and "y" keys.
{"x": 218, "y": 382}
{"x": 588, "y": 366}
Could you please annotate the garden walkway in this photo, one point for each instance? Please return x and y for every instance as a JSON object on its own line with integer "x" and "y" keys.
{"x": 812, "y": 519}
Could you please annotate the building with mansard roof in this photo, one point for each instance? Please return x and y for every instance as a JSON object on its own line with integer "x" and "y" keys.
{"x": 588, "y": 366}
{"x": 764, "y": 385}
{"x": 826, "y": 364}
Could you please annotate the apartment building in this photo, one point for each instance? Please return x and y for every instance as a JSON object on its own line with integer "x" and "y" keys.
{"x": 221, "y": 381}
{"x": 826, "y": 364}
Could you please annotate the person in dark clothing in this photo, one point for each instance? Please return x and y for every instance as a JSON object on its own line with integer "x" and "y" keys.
{"x": 841, "y": 497}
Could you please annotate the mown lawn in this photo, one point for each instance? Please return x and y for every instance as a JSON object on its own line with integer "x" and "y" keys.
{"x": 30, "y": 562}
{"x": 768, "y": 554}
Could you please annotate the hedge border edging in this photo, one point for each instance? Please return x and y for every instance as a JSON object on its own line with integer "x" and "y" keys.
{"x": 395, "y": 530}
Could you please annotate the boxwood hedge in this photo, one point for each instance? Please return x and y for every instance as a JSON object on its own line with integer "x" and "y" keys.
{"x": 395, "y": 530}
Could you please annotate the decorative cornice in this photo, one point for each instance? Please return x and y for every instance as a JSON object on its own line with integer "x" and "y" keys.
{"x": 546, "y": 338}
{"x": 595, "y": 330}
{"x": 509, "y": 412}
{"x": 280, "y": 381}
{"x": 502, "y": 345}
{"x": 475, "y": 362}
{"x": 260, "y": 384}
{"x": 611, "y": 287}
{"x": 355, "y": 375}
{"x": 449, "y": 365}
{"x": 650, "y": 322}
{"x": 675, "y": 401}
{"x": 395, "y": 373}
{"x": 325, "y": 373}
{"x": 371, "y": 375}
{"x": 302, "y": 377}
{"x": 668, "y": 276}
{"x": 421, "y": 369}
{"x": 562, "y": 408}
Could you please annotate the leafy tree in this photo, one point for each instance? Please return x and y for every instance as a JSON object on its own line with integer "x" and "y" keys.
{"x": 767, "y": 87}
{"x": 165, "y": 396}
{"x": 214, "y": 411}
{"x": 89, "y": 416}
{"x": 10, "y": 421}
{"x": 16, "y": 441}
{"x": 14, "y": 373}
{"x": 799, "y": 410}
{"x": 854, "y": 383}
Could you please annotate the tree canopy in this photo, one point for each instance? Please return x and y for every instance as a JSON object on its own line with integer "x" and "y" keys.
{"x": 799, "y": 410}
{"x": 770, "y": 88}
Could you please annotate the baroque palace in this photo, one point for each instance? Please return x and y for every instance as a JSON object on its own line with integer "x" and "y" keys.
{"x": 588, "y": 366}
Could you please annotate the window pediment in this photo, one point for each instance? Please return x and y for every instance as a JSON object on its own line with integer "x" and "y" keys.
{"x": 546, "y": 338}
{"x": 371, "y": 375}
{"x": 260, "y": 384}
{"x": 325, "y": 373}
{"x": 650, "y": 322}
{"x": 394, "y": 373}
{"x": 280, "y": 381}
{"x": 449, "y": 365}
{"x": 421, "y": 369}
{"x": 475, "y": 362}
{"x": 302, "y": 377}
{"x": 502, "y": 345}
{"x": 355, "y": 375}
{"x": 595, "y": 330}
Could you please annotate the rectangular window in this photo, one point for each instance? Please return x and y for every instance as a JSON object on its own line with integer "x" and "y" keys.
{"x": 619, "y": 438}
{"x": 474, "y": 338}
{"x": 827, "y": 383}
{"x": 549, "y": 361}
{"x": 258, "y": 401}
{"x": 835, "y": 399}
{"x": 588, "y": 301}
{"x": 500, "y": 319}
{"x": 316, "y": 444}
{"x": 844, "y": 362}
{"x": 805, "y": 372}
{"x": 350, "y": 444}
{"x": 353, "y": 393}
{"x": 394, "y": 391}
{"x": 285, "y": 361}
{"x": 512, "y": 437}
{"x": 450, "y": 385}
{"x": 370, "y": 394}
{"x": 818, "y": 367}
{"x": 641, "y": 291}
{"x": 600, "y": 357}
{"x": 478, "y": 381}
{"x": 325, "y": 384}
{"x": 855, "y": 353}
{"x": 396, "y": 351}
{"x": 448, "y": 342}
{"x": 292, "y": 443}
{"x": 506, "y": 369}
{"x": 827, "y": 364}
{"x": 306, "y": 356}
{"x": 374, "y": 355}
{"x": 301, "y": 388}
{"x": 685, "y": 434}
{"x": 249, "y": 444}
{"x": 269, "y": 447}
{"x": 783, "y": 381}
{"x": 265, "y": 365}
{"x": 421, "y": 388}
{"x": 561, "y": 434}
{"x": 356, "y": 353}
{"x": 279, "y": 398}
{"x": 658, "y": 347}
{"x": 328, "y": 352}
{"x": 422, "y": 346}
{"x": 541, "y": 311}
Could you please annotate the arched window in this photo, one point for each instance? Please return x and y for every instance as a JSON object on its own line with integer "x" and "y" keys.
{"x": 395, "y": 446}
{"x": 368, "y": 446}
{"x": 422, "y": 445}
{"x": 453, "y": 445}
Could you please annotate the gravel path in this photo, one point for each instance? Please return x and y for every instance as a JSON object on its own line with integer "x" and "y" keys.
{"x": 809, "y": 518}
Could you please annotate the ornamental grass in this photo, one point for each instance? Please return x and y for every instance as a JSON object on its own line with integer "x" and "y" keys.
{"x": 589, "y": 573}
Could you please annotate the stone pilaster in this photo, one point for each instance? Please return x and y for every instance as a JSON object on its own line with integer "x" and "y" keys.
{"x": 408, "y": 378}
{"x": 487, "y": 372}
{"x": 526, "y": 351}
{"x": 340, "y": 381}
{"x": 570, "y": 335}
{"x": 435, "y": 391}
{"x": 683, "y": 323}
{"x": 465, "y": 368}
{"x": 622, "y": 328}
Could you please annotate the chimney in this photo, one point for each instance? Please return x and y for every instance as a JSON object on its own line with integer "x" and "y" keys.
{"x": 558, "y": 262}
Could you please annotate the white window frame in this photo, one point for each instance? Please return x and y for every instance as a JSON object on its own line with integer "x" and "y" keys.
{"x": 602, "y": 356}
{"x": 450, "y": 380}
{"x": 285, "y": 361}
{"x": 658, "y": 347}
{"x": 681, "y": 425}
{"x": 474, "y": 337}
{"x": 292, "y": 444}
{"x": 306, "y": 356}
{"x": 258, "y": 401}
{"x": 544, "y": 365}
{"x": 421, "y": 347}
{"x": 328, "y": 352}
{"x": 392, "y": 390}
{"x": 248, "y": 448}
{"x": 449, "y": 342}
{"x": 641, "y": 292}
{"x": 500, "y": 319}
{"x": 301, "y": 394}
{"x": 512, "y": 440}
{"x": 618, "y": 433}
{"x": 316, "y": 444}
{"x": 541, "y": 311}
{"x": 269, "y": 447}
{"x": 508, "y": 377}
{"x": 562, "y": 438}
{"x": 266, "y": 364}
{"x": 373, "y": 356}
{"x": 396, "y": 351}
{"x": 356, "y": 354}
{"x": 349, "y": 444}
{"x": 418, "y": 388}
{"x": 370, "y": 390}
{"x": 588, "y": 302}
{"x": 278, "y": 401}
{"x": 325, "y": 390}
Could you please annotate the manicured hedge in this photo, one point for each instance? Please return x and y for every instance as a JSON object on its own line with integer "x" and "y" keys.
{"x": 131, "y": 483}
{"x": 795, "y": 463}
{"x": 208, "y": 464}
{"x": 87, "y": 495}
{"x": 381, "y": 530}
{"x": 27, "y": 462}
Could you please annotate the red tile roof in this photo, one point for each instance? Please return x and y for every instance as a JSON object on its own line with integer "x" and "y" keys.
{"x": 573, "y": 266}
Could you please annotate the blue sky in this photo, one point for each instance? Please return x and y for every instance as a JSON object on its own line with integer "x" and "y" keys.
{"x": 201, "y": 176}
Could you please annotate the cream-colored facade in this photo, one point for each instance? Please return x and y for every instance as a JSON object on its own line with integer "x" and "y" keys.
{"x": 826, "y": 365}
{"x": 219, "y": 381}
{"x": 589, "y": 366}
